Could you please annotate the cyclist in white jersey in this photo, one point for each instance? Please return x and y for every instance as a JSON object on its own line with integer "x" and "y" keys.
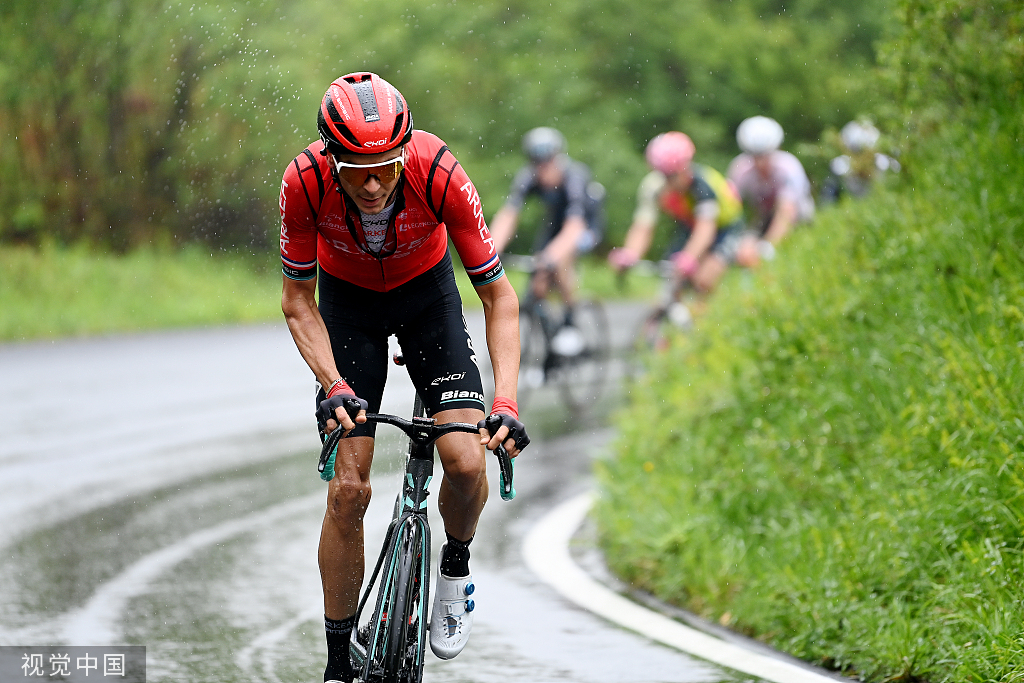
{"x": 774, "y": 186}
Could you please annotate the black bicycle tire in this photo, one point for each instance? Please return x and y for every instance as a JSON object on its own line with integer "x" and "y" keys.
{"x": 596, "y": 356}
{"x": 532, "y": 354}
{"x": 645, "y": 341}
{"x": 403, "y": 656}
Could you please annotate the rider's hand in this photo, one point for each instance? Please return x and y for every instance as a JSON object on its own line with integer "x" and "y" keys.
{"x": 686, "y": 265}
{"x": 622, "y": 259}
{"x": 333, "y": 410}
{"x": 509, "y": 432}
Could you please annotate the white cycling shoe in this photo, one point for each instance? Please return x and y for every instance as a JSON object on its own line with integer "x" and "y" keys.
{"x": 451, "y": 618}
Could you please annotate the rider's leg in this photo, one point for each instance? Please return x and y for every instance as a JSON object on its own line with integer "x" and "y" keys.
{"x": 461, "y": 499}
{"x": 341, "y": 550}
{"x": 464, "y": 486}
{"x": 341, "y": 535}
{"x": 444, "y": 368}
{"x": 565, "y": 280}
{"x": 357, "y": 329}
{"x": 540, "y": 283}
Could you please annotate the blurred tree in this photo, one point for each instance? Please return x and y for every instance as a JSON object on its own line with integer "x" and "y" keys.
{"x": 131, "y": 121}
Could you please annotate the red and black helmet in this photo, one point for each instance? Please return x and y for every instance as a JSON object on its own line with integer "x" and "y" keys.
{"x": 361, "y": 113}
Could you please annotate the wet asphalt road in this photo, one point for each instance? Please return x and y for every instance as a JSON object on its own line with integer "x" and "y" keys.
{"x": 160, "y": 489}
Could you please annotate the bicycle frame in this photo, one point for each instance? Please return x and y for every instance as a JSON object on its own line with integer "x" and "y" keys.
{"x": 410, "y": 509}
{"x": 410, "y": 517}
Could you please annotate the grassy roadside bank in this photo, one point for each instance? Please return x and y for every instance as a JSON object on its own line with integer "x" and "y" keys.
{"x": 59, "y": 292}
{"x": 834, "y": 461}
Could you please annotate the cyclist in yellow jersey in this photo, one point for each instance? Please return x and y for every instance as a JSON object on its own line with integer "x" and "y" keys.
{"x": 705, "y": 206}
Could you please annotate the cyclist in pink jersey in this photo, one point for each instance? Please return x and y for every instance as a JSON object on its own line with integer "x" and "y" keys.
{"x": 366, "y": 213}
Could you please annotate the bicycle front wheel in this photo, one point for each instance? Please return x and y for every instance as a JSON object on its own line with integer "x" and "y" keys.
{"x": 407, "y": 618}
{"x": 583, "y": 363}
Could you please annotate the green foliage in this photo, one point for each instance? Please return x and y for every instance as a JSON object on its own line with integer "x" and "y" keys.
{"x": 834, "y": 462}
{"x": 138, "y": 121}
{"x": 58, "y": 292}
{"x": 955, "y": 58}
{"x": 122, "y": 122}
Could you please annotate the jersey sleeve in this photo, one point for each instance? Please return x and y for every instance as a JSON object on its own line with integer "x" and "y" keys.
{"x": 647, "y": 198}
{"x": 706, "y": 205}
{"x": 298, "y": 222}
{"x": 524, "y": 181}
{"x": 463, "y": 215}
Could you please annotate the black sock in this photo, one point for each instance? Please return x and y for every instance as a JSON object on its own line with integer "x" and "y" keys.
{"x": 455, "y": 559}
{"x": 568, "y": 318}
{"x": 339, "y": 666}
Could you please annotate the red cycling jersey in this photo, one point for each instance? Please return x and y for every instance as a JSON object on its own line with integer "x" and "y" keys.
{"x": 434, "y": 196}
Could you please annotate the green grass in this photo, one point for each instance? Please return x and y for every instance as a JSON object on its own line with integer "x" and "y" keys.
{"x": 834, "y": 461}
{"x": 58, "y": 292}
{"x": 65, "y": 292}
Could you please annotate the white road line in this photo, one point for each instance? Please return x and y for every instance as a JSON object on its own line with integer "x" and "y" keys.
{"x": 265, "y": 642}
{"x": 98, "y": 621}
{"x": 546, "y": 551}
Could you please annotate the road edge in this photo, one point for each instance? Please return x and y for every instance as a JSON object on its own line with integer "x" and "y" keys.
{"x": 546, "y": 552}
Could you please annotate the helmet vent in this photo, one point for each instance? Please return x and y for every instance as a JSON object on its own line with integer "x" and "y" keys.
{"x": 347, "y": 134}
{"x": 399, "y": 120}
{"x": 364, "y": 91}
{"x": 332, "y": 111}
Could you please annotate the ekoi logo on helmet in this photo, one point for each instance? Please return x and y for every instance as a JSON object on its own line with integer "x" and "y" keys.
{"x": 375, "y": 143}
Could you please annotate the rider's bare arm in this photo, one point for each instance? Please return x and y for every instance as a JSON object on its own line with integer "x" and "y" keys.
{"x": 501, "y": 316}
{"x": 639, "y": 237}
{"x": 298, "y": 302}
{"x": 563, "y": 247}
{"x": 701, "y": 237}
{"x": 785, "y": 216}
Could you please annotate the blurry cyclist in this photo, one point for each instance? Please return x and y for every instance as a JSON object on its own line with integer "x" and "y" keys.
{"x": 853, "y": 173}
{"x": 704, "y": 205}
{"x": 775, "y": 190}
{"x": 574, "y": 220}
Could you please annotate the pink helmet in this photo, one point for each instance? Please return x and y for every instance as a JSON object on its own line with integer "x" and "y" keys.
{"x": 670, "y": 152}
{"x": 361, "y": 113}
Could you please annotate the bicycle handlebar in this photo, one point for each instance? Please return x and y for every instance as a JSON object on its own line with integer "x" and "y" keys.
{"x": 424, "y": 431}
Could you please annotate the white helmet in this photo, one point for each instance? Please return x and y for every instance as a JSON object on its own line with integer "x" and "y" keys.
{"x": 759, "y": 135}
{"x": 859, "y": 135}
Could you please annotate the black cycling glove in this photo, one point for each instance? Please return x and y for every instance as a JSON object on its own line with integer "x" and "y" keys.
{"x": 350, "y": 402}
{"x": 516, "y": 429}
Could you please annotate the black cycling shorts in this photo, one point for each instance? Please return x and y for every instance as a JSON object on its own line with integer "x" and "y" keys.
{"x": 426, "y": 316}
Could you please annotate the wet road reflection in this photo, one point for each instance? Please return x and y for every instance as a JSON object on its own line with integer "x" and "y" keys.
{"x": 185, "y": 515}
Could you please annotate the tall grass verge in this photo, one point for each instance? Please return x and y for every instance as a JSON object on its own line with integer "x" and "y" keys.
{"x": 61, "y": 292}
{"x": 64, "y": 292}
{"x": 834, "y": 461}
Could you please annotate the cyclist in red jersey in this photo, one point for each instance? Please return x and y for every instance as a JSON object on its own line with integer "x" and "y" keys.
{"x": 366, "y": 213}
